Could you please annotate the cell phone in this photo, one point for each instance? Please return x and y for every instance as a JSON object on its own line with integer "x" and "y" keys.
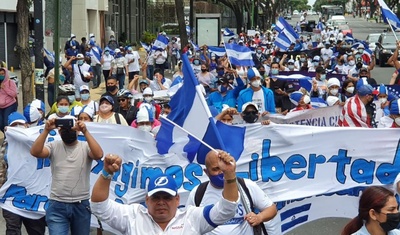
{"x": 65, "y": 123}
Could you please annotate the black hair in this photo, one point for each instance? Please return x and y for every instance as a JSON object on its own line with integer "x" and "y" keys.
{"x": 62, "y": 97}
{"x": 159, "y": 71}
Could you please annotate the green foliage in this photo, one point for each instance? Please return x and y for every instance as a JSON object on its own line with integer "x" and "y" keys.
{"x": 299, "y": 5}
{"x": 148, "y": 37}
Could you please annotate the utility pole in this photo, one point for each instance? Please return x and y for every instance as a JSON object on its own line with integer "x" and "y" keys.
{"x": 191, "y": 18}
{"x": 56, "y": 41}
{"x": 38, "y": 49}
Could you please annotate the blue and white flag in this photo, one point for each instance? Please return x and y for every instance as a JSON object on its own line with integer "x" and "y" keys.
{"x": 188, "y": 30}
{"x": 50, "y": 56}
{"x": 320, "y": 26}
{"x": 160, "y": 43}
{"x": 282, "y": 41}
{"x": 228, "y": 32}
{"x": 388, "y": 15}
{"x": 349, "y": 38}
{"x": 283, "y": 27}
{"x": 195, "y": 47}
{"x": 145, "y": 46}
{"x": 190, "y": 111}
{"x": 219, "y": 51}
{"x": 239, "y": 55}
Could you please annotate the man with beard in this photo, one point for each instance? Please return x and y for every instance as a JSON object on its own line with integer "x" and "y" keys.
{"x": 71, "y": 161}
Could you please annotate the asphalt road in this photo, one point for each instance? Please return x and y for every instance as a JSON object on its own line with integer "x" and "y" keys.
{"x": 330, "y": 226}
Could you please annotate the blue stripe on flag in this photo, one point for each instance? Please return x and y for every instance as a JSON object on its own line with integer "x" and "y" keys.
{"x": 239, "y": 55}
{"x": 228, "y": 32}
{"x": 219, "y": 51}
{"x": 294, "y": 219}
{"x": 282, "y": 26}
{"x": 160, "y": 43}
{"x": 388, "y": 15}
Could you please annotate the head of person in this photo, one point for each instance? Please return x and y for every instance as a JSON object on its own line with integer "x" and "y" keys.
{"x": 213, "y": 171}
{"x": 383, "y": 94}
{"x": 204, "y": 68}
{"x": 112, "y": 85}
{"x": 75, "y": 111}
{"x": 41, "y": 107}
{"x": 363, "y": 72}
{"x": 107, "y": 51}
{"x": 16, "y": 119}
{"x": 377, "y": 208}
{"x": 85, "y": 92}
{"x": 223, "y": 85}
{"x": 250, "y": 112}
{"x": 143, "y": 84}
{"x": 348, "y": 86}
{"x": 106, "y": 105}
{"x": 117, "y": 53}
{"x": 254, "y": 78}
{"x": 63, "y": 105}
{"x": 3, "y": 74}
{"x": 32, "y": 115}
{"x": 69, "y": 91}
{"x": 299, "y": 99}
{"x": 290, "y": 65}
{"x": 303, "y": 57}
{"x": 332, "y": 100}
{"x": 145, "y": 117}
{"x": 366, "y": 93}
{"x": 87, "y": 113}
{"x": 162, "y": 199}
{"x": 320, "y": 73}
{"x": 158, "y": 74}
{"x": 68, "y": 135}
{"x": 360, "y": 49}
{"x": 316, "y": 60}
{"x": 227, "y": 118}
{"x": 80, "y": 59}
{"x": 274, "y": 68}
{"x": 333, "y": 85}
{"x": 196, "y": 60}
{"x": 124, "y": 98}
{"x": 148, "y": 95}
{"x": 394, "y": 111}
{"x": 351, "y": 60}
{"x": 166, "y": 110}
{"x": 327, "y": 44}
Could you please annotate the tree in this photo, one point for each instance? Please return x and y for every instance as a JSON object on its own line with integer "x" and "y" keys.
{"x": 23, "y": 51}
{"x": 181, "y": 21}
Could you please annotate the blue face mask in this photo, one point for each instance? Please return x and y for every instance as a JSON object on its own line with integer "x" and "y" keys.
{"x": 217, "y": 180}
{"x": 2, "y": 77}
{"x": 85, "y": 96}
{"x": 323, "y": 77}
{"x": 107, "y": 53}
{"x": 274, "y": 71}
{"x": 80, "y": 62}
{"x": 196, "y": 62}
{"x": 222, "y": 89}
{"x": 63, "y": 109}
{"x": 71, "y": 98}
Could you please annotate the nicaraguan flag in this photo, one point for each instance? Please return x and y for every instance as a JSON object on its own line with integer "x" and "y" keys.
{"x": 145, "y": 46}
{"x": 190, "y": 111}
{"x": 195, "y": 47}
{"x": 349, "y": 37}
{"x": 50, "y": 56}
{"x": 388, "y": 16}
{"x": 160, "y": 42}
{"x": 188, "y": 30}
{"x": 239, "y": 55}
{"x": 283, "y": 27}
{"x": 219, "y": 51}
{"x": 228, "y": 32}
{"x": 282, "y": 41}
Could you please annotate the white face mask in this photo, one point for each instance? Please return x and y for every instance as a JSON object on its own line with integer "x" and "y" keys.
{"x": 352, "y": 62}
{"x": 334, "y": 91}
{"x": 306, "y": 99}
{"x": 397, "y": 121}
{"x": 146, "y": 128}
{"x": 256, "y": 83}
{"x": 105, "y": 108}
{"x": 148, "y": 99}
{"x": 382, "y": 100}
{"x": 350, "y": 90}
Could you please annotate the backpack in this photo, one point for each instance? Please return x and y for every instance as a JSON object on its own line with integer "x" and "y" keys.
{"x": 258, "y": 230}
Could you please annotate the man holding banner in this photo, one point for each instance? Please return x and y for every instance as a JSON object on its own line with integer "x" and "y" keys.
{"x": 162, "y": 201}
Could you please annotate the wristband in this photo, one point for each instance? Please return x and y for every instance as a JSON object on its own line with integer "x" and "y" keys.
{"x": 230, "y": 181}
{"x": 106, "y": 175}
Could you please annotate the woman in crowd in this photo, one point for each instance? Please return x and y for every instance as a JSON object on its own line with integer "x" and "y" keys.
{"x": 8, "y": 97}
{"x": 63, "y": 107}
{"x": 348, "y": 88}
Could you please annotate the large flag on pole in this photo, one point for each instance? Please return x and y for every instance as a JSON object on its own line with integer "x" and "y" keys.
{"x": 283, "y": 27}
{"x": 388, "y": 15}
{"x": 239, "y": 55}
{"x": 160, "y": 43}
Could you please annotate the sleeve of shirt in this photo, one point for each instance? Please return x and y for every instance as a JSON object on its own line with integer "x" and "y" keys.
{"x": 167, "y": 83}
{"x": 49, "y": 146}
{"x": 270, "y": 102}
{"x": 116, "y": 215}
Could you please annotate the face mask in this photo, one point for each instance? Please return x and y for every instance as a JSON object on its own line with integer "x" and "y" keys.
{"x": 352, "y": 62}
{"x": 63, "y": 109}
{"x": 104, "y": 108}
{"x": 173, "y": 41}
{"x": 107, "y": 53}
{"x": 145, "y": 128}
{"x": 382, "y": 100}
{"x": 259, "y": 51}
{"x": 323, "y": 77}
{"x": 111, "y": 88}
{"x": 350, "y": 90}
{"x": 197, "y": 54}
{"x": 302, "y": 59}
{"x": 291, "y": 67}
{"x": 397, "y": 121}
{"x": 85, "y": 96}
{"x": 316, "y": 64}
{"x": 334, "y": 91}
{"x": 251, "y": 117}
{"x": 256, "y": 83}
{"x": 220, "y": 73}
{"x": 148, "y": 99}
{"x": 274, "y": 71}
{"x": 392, "y": 221}
{"x": 68, "y": 136}
{"x": 213, "y": 58}
{"x": 217, "y": 180}
{"x": 80, "y": 62}
{"x": 71, "y": 98}
{"x": 360, "y": 51}
{"x": 204, "y": 70}
{"x": 196, "y": 62}
{"x": 262, "y": 73}
{"x": 306, "y": 99}
{"x": 222, "y": 89}
{"x": 2, "y": 77}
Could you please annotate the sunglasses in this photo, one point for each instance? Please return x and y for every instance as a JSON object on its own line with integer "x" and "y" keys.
{"x": 121, "y": 100}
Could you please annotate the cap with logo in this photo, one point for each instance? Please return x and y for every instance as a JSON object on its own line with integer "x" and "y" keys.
{"x": 84, "y": 88}
{"x": 162, "y": 183}
{"x": 108, "y": 98}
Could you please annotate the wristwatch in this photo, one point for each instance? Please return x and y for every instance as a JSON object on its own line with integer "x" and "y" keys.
{"x": 106, "y": 175}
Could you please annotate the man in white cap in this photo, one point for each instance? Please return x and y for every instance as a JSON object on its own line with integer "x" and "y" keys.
{"x": 162, "y": 215}
{"x": 83, "y": 73}
{"x": 261, "y": 96}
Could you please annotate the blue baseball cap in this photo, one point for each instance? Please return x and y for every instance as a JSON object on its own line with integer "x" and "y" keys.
{"x": 162, "y": 183}
{"x": 15, "y": 117}
{"x": 367, "y": 90}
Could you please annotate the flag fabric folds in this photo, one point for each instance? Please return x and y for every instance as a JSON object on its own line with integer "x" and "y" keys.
{"x": 283, "y": 27}
{"x": 228, "y": 32}
{"x": 160, "y": 43}
{"x": 190, "y": 111}
{"x": 145, "y": 46}
{"x": 219, "y": 51}
{"x": 388, "y": 15}
{"x": 49, "y": 55}
{"x": 239, "y": 55}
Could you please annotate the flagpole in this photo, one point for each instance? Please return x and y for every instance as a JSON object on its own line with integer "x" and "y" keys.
{"x": 394, "y": 33}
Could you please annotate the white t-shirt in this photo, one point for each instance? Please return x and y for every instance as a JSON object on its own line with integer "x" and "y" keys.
{"x": 258, "y": 98}
{"x": 326, "y": 54}
{"x": 237, "y": 225}
{"x": 134, "y": 66}
{"x": 77, "y": 75}
{"x": 155, "y": 87}
{"x": 107, "y": 62}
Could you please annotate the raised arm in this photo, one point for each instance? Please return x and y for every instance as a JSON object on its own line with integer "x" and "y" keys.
{"x": 38, "y": 150}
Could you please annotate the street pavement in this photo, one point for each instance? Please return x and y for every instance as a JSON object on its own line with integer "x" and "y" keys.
{"x": 329, "y": 226}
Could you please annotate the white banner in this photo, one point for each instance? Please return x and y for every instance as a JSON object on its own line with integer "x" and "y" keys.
{"x": 326, "y": 116}
{"x": 288, "y": 162}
